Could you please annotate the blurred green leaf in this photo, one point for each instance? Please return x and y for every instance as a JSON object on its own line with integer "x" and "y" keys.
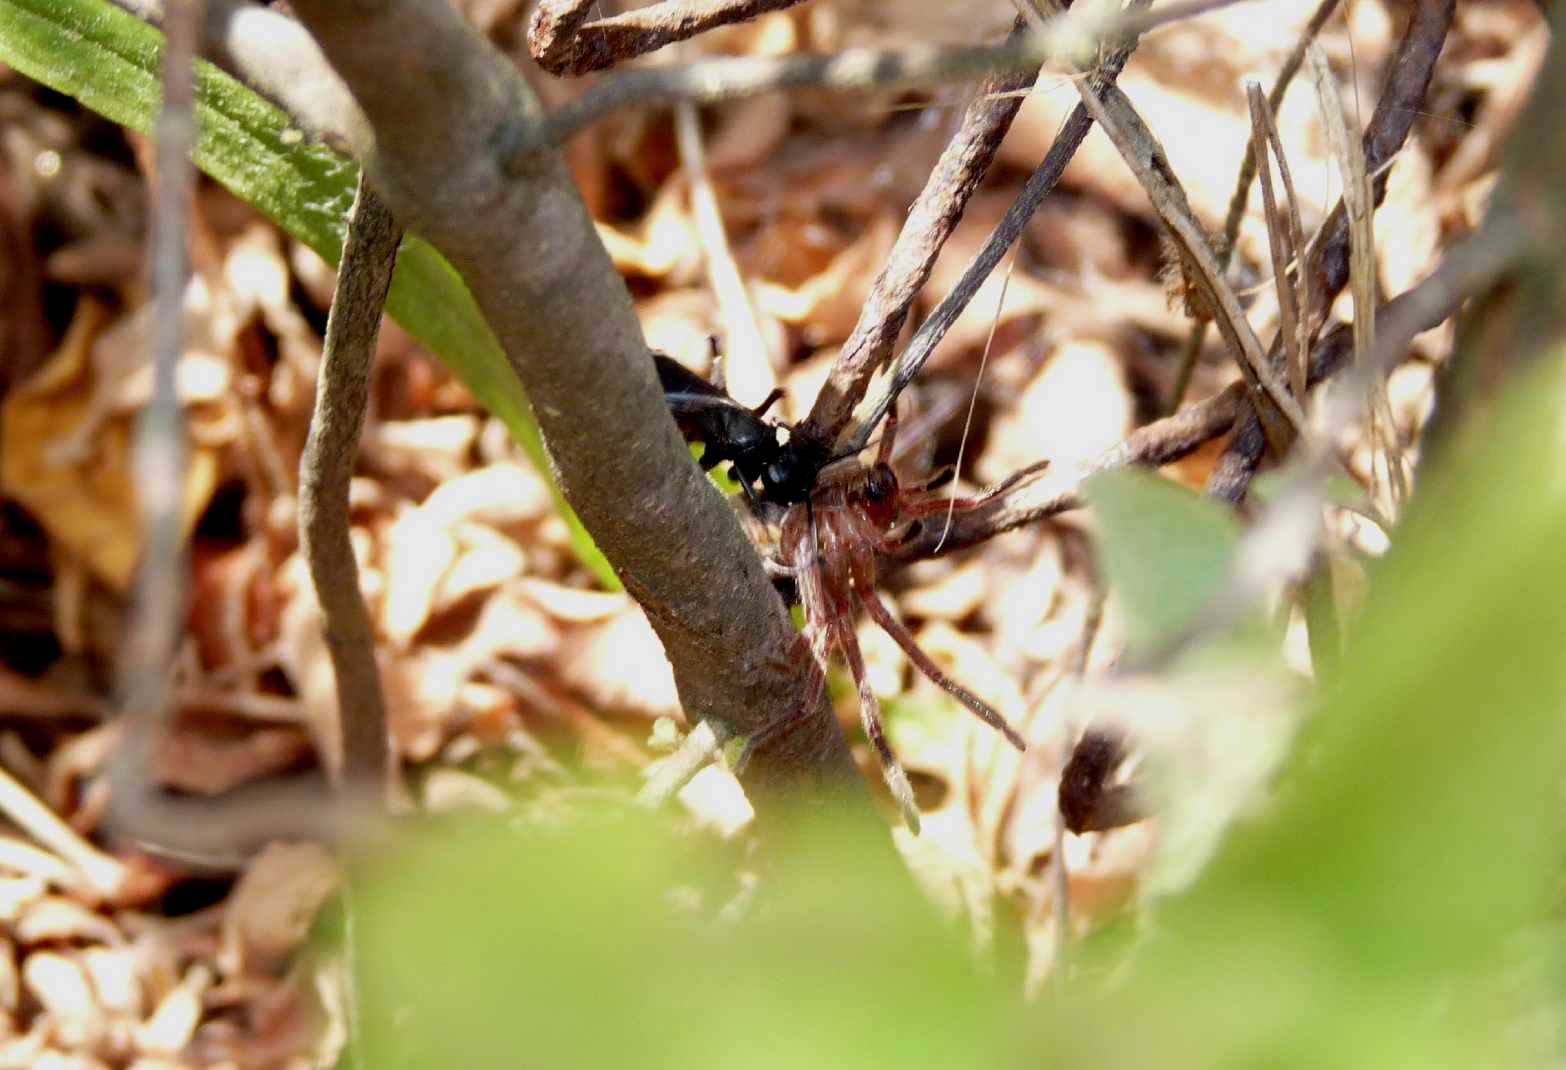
{"x": 599, "y": 945}
{"x": 109, "y": 61}
{"x": 1166, "y": 550}
{"x": 1372, "y": 918}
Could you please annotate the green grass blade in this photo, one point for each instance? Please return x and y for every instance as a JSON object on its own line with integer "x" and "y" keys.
{"x": 109, "y": 61}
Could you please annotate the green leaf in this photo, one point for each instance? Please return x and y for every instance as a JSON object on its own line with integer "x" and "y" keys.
{"x": 1166, "y": 550}
{"x": 109, "y": 61}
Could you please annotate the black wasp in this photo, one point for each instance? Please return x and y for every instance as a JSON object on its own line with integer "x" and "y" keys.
{"x": 759, "y": 451}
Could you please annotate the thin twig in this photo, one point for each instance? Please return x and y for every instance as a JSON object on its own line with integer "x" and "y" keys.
{"x": 697, "y": 749}
{"x": 1417, "y": 310}
{"x": 1241, "y": 198}
{"x": 851, "y": 70}
{"x": 1284, "y": 239}
{"x": 564, "y": 43}
{"x": 102, "y": 873}
{"x": 161, "y": 448}
{"x": 1281, "y": 416}
{"x": 931, "y": 220}
{"x": 325, "y": 467}
{"x": 1326, "y": 266}
{"x": 1038, "y": 186}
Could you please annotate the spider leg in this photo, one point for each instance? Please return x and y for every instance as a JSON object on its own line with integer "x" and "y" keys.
{"x": 875, "y": 730}
{"x": 925, "y": 664}
{"x": 935, "y": 506}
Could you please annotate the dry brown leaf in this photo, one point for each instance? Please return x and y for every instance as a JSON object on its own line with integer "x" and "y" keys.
{"x": 448, "y": 791}
{"x": 717, "y": 802}
{"x": 436, "y": 448}
{"x": 87, "y": 504}
{"x": 10, "y": 980}
{"x": 55, "y": 918}
{"x": 274, "y": 904}
{"x": 61, "y": 988}
{"x": 190, "y": 759}
{"x": 1076, "y": 407}
{"x": 618, "y": 664}
{"x": 486, "y": 559}
{"x": 827, "y": 304}
{"x": 115, "y": 973}
{"x": 748, "y": 132}
{"x": 173, "y": 1023}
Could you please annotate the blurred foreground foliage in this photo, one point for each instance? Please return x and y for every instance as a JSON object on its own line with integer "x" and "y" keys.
{"x": 1396, "y": 904}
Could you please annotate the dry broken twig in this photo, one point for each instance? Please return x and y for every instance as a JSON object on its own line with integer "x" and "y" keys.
{"x": 852, "y": 70}
{"x": 1240, "y": 200}
{"x": 563, "y": 41}
{"x": 1326, "y": 267}
{"x": 931, "y": 220}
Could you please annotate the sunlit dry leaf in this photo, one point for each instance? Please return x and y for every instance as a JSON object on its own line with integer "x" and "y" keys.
{"x": 619, "y": 664}
{"x": 63, "y": 991}
{"x": 748, "y": 131}
{"x": 10, "y": 980}
{"x": 496, "y": 494}
{"x": 448, "y": 791}
{"x": 17, "y": 894}
{"x": 115, "y": 973}
{"x": 510, "y": 625}
{"x": 55, "y": 918}
{"x": 192, "y": 760}
{"x": 174, "y": 1021}
{"x": 274, "y": 904}
{"x": 1075, "y": 408}
{"x": 60, "y": 1060}
{"x": 572, "y": 604}
{"x": 952, "y": 596}
{"x": 436, "y": 448}
{"x": 717, "y": 802}
{"x": 664, "y": 244}
{"x": 827, "y": 305}
{"x": 88, "y": 503}
{"x": 419, "y": 550}
{"x": 486, "y": 560}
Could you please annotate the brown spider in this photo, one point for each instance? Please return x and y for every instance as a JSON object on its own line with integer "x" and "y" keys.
{"x": 829, "y": 544}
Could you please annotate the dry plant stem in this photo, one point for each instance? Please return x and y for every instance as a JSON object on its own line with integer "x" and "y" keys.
{"x": 563, "y": 42}
{"x": 1241, "y": 199}
{"x": 941, "y": 318}
{"x": 101, "y": 873}
{"x": 447, "y": 161}
{"x": 156, "y": 615}
{"x": 931, "y": 220}
{"x": 1281, "y": 416}
{"x": 1285, "y": 239}
{"x": 342, "y": 395}
{"x": 855, "y": 69}
{"x": 1419, "y": 309}
{"x": 748, "y": 367}
{"x": 1350, "y": 156}
{"x": 698, "y": 748}
{"x": 1326, "y": 266}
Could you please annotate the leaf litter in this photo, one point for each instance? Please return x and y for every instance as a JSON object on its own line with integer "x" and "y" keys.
{"x": 507, "y": 675}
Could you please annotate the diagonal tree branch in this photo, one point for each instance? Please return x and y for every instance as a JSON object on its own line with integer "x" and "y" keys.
{"x": 448, "y": 159}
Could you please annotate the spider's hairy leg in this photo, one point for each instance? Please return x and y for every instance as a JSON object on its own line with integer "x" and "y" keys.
{"x": 870, "y": 717}
{"x": 925, "y": 664}
{"x": 912, "y": 506}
